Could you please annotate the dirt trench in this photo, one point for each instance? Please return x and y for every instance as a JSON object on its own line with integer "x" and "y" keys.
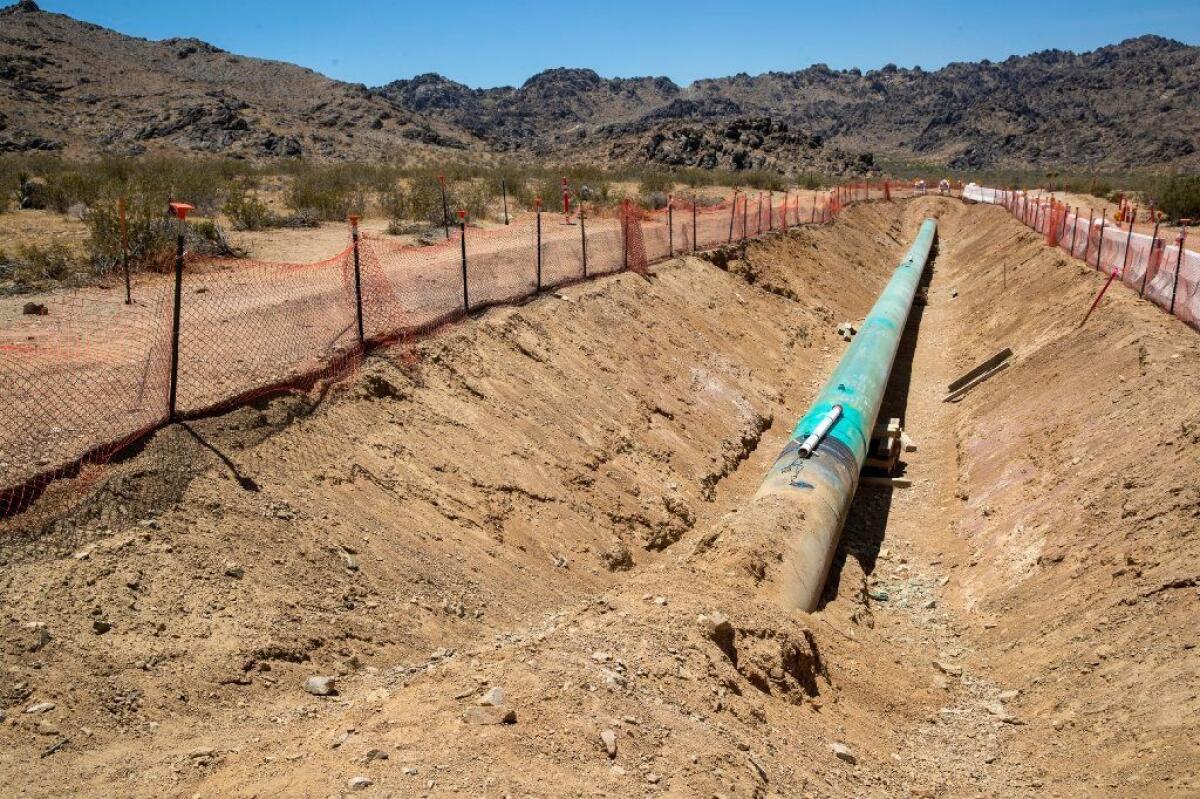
{"x": 535, "y": 499}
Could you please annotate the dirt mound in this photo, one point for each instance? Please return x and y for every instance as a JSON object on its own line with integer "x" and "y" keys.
{"x": 536, "y": 501}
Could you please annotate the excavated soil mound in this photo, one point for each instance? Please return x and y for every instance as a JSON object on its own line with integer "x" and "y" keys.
{"x": 534, "y": 501}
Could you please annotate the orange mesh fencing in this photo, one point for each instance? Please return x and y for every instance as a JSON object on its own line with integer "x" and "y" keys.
{"x": 1161, "y": 270}
{"x": 92, "y": 376}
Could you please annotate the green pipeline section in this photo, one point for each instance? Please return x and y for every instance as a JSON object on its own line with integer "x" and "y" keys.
{"x": 809, "y": 489}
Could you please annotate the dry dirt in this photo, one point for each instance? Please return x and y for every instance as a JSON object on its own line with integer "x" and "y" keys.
{"x": 536, "y": 499}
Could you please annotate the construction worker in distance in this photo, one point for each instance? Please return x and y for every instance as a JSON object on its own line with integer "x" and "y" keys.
{"x": 943, "y": 186}
{"x": 921, "y": 186}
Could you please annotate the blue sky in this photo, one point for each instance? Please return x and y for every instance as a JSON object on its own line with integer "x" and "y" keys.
{"x": 503, "y": 42}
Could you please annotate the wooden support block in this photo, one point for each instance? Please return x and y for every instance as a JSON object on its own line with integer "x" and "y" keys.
{"x": 884, "y": 482}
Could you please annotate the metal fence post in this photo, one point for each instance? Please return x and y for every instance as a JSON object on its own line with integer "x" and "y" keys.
{"x": 1100, "y": 244}
{"x": 771, "y": 210}
{"x": 504, "y": 194}
{"x": 362, "y": 339}
{"x": 462, "y": 229}
{"x": 732, "y": 214}
{"x": 695, "y": 230}
{"x": 624, "y": 234}
{"x": 537, "y": 205}
{"x": 582, "y": 233}
{"x": 1149, "y": 260}
{"x": 125, "y": 251}
{"x": 180, "y": 212}
{"x": 671, "y": 226}
{"x": 1178, "y": 261}
{"x": 1088, "y": 241}
{"x": 1128, "y": 239}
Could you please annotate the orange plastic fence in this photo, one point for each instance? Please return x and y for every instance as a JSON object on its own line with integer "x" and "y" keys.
{"x": 83, "y": 382}
{"x": 1159, "y": 268}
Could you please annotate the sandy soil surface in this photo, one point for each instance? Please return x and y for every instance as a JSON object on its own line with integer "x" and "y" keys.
{"x": 536, "y": 500}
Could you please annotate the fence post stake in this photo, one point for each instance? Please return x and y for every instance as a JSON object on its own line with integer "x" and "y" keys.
{"x": 1100, "y": 244}
{"x": 695, "y": 230}
{"x": 1178, "y": 261}
{"x": 771, "y": 210}
{"x": 1074, "y": 228}
{"x": 504, "y": 194}
{"x": 1088, "y": 241}
{"x": 671, "y": 226}
{"x": 362, "y": 339}
{"x": 462, "y": 237}
{"x": 125, "y": 251}
{"x": 624, "y": 234}
{"x": 537, "y": 205}
{"x": 1128, "y": 239}
{"x": 582, "y": 232}
{"x": 732, "y": 214}
{"x": 1149, "y": 260}
{"x": 813, "y": 219}
{"x": 180, "y": 212}
{"x": 745, "y": 216}
{"x": 445, "y": 207}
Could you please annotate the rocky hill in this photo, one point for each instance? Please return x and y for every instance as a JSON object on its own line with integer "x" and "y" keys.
{"x": 72, "y": 87}
{"x": 760, "y": 143}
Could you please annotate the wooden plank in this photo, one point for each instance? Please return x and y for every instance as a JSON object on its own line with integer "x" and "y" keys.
{"x": 884, "y": 482}
{"x": 987, "y": 366}
{"x": 954, "y": 396}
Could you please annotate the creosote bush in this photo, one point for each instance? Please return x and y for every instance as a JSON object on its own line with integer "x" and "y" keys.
{"x": 656, "y": 183}
{"x": 247, "y": 212}
{"x": 150, "y": 236}
{"x": 330, "y": 193}
{"x": 1179, "y": 198}
{"x": 36, "y": 263}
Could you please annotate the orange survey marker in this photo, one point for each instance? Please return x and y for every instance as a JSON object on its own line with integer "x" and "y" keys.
{"x": 181, "y": 210}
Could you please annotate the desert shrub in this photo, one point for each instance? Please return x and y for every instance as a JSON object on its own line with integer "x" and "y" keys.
{"x": 1100, "y": 188}
{"x": 517, "y": 183}
{"x": 810, "y": 181}
{"x": 594, "y": 188}
{"x": 1179, "y": 198}
{"x": 37, "y": 263}
{"x": 694, "y": 178}
{"x": 762, "y": 180}
{"x": 247, "y": 212}
{"x": 394, "y": 203}
{"x": 330, "y": 193}
{"x": 31, "y": 191}
{"x": 68, "y": 188}
{"x": 653, "y": 200}
{"x": 473, "y": 196}
{"x": 424, "y": 200}
{"x": 150, "y": 234}
{"x": 656, "y": 183}
{"x": 421, "y": 201}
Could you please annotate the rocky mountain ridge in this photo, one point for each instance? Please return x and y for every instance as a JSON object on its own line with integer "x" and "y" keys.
{"x": 75, "y": 88}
